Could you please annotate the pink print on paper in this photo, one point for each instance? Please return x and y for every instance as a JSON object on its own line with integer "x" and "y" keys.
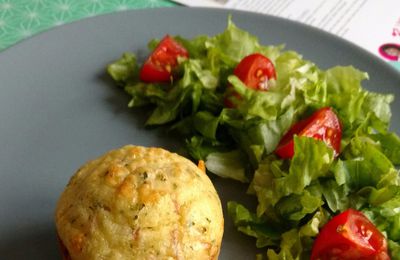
{"x": 390, "y": 51}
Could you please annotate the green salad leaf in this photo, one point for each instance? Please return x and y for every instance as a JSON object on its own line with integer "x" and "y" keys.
{"x": 297, "y": 196}
{"x": 230, "y": 164}
{"x": 124, "y": 68}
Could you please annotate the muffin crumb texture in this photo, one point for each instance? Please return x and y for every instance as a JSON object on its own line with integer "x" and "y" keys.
{"x": 140, "y": 203}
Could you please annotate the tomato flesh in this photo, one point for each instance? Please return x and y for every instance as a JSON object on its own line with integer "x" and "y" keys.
{"x": 255, "y": 71}
{"x": 162, "y": 62}
{"x": 350, "y": 235}
{"x": 322, "y": 125}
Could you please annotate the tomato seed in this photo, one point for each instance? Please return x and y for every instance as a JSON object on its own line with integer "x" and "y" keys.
{"x": 340, "y": 229}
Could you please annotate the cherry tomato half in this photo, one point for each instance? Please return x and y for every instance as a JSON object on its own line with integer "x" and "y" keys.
{"x": 350, "y": 235}
{"x": 161, "y": 63}
{"x": 254, "y": 70}
{"x": 322, "y": 125}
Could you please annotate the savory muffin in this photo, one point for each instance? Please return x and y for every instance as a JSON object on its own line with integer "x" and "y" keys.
{"x": 140, "y": 203}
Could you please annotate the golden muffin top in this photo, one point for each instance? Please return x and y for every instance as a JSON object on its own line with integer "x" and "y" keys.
{"x": 140, "y": 203}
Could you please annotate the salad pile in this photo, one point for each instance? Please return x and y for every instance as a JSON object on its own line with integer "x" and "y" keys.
{"x": 312, "y": 144}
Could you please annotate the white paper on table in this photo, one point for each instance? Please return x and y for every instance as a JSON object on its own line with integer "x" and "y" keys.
{"x": 370, "y": 24}
{"x": 202, "y": 3}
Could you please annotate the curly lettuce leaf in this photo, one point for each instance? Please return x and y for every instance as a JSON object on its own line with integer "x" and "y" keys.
{"x": 254, "y": 226}
{"x": 312, "y": 160}
{"x": 124, "y": 68}
{"x": 351, "y": 101}
{"x": 390, "y": 145}
{"x": 296, "y": 243}
{"x": 230, "y": 164}
{"x": 233, "y": 44}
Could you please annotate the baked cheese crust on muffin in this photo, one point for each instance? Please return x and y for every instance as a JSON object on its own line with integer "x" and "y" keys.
{"x": 140, "y": 203}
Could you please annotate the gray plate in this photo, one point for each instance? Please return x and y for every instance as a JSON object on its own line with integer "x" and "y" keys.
{"x": 58, "y": 109}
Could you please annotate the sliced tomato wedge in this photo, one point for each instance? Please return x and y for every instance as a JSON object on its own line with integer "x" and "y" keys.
{"x": 350, "y": 235}
{"x": 162, "y": 62}
{"x": 322, "y": 125}
{"x": 255, "y": 71}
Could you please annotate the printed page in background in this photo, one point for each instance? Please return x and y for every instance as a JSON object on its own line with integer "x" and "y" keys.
{"x": 203, "y": 3}
{"x": 373, "y": 25}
